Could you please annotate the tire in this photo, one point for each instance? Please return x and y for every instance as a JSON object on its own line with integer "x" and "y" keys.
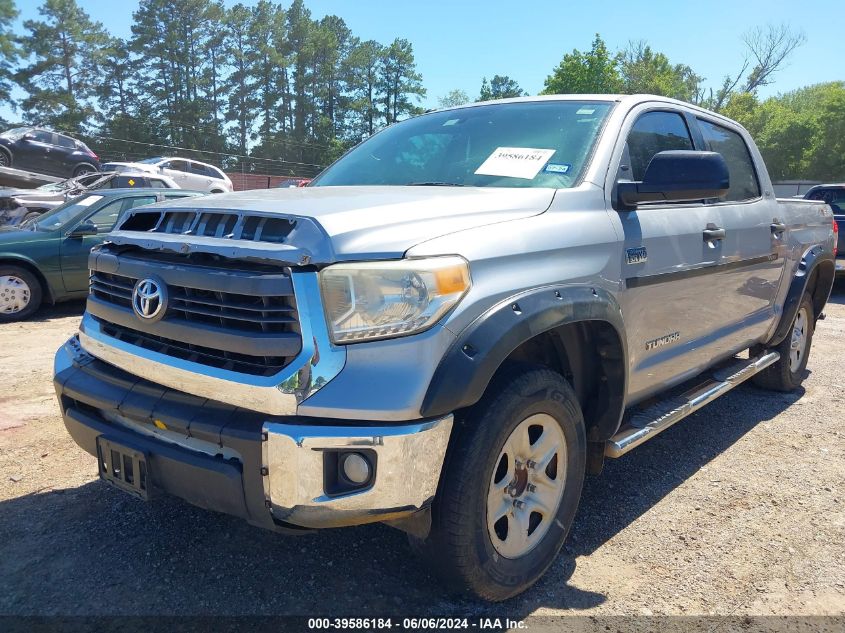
{"x": 491, "y": 559}
{"x": 30, "y": 216}
{"x": 787, "y": 373}
{"x": 5, "y": 158}
{"x": 20, "y": 294}
{"x": 84, "y": 168}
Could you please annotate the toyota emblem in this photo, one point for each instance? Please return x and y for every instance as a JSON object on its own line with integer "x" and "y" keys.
{"x": 149, "y": 299}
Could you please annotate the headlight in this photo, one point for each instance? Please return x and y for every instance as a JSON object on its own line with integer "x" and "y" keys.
{"x": 372, "y": 300}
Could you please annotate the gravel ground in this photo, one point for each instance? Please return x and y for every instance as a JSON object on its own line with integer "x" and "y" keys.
{"x": 739, "y": 510}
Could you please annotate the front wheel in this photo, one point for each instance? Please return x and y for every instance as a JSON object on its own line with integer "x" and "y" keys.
{"x": 511, "y": 485}
{"x": 20, "y": 293}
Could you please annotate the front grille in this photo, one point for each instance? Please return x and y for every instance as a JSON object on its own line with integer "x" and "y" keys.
{"x": 232, "y": 311}
{"x": 229, "y": 225}
{"x": 214, "y": 326}
{"x": 243, "y": 363}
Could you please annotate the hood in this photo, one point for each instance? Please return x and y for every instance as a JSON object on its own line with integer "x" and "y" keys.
{"x": 11, "y": 236}
{"x": 143, "y": 167}
{"x": 359, "y": 222}
{"x": 11, "y": 192}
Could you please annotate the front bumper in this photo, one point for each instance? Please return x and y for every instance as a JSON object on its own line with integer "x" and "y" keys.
{"x": 271, "y": 471}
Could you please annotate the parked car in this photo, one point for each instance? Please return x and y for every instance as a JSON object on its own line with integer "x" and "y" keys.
{"x": 834, "y": 195}
{"x": 449, "y": 327}
{"x": 46, "y": 152}
{"x": 20, "y": 205}
{"x": 287, "y": 183}
{"x": 190, "y": 174}
{"x": 46, "y": 259}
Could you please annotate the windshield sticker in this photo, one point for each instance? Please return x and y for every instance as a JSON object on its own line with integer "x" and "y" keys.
{"x": 450, "y": 122}
{"x": 87, "y": 202}
{"x": 515, "y": 162}
{"x": 585, "y": 110}
{"x": 558, "y": 168}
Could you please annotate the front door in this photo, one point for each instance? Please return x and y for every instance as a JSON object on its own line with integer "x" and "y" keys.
{"x": 74, "y": 250}
{"x": 178, "y": 170}
{"x": 670, "y": 304}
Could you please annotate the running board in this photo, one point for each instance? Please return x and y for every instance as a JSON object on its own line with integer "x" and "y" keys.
{"x": 647, "y": 423}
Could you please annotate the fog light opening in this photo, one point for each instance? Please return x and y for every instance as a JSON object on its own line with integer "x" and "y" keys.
{"x": 356, "y": 468}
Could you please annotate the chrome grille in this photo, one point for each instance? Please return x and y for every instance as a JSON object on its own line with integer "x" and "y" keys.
{"x": 228, "y": 330}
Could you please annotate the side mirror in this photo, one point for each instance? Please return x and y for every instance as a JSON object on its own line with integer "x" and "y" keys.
{"x": 83, "y": 229}
{"x": 677, "y": 176}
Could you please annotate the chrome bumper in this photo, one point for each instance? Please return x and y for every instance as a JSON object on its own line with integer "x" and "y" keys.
{"x": 317, "y": 363}
{"x": 408, "y": 462}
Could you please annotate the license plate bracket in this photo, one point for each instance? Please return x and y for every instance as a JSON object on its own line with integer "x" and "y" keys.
{"x": 124, "y": 467}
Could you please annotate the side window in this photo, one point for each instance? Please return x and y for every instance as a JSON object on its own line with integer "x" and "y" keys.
{"x": 158, "y": 182}
{"x": 655, "y": 132}
{"x": 106, "y": 217}
{"x": 127, "y": 182}
{"x": 64, "y": 141}
{"x": 42, "y": 137}
{"x": 176, "y": 165}
{"x": 744, "y": 183}
{"x": 201, "y": 170}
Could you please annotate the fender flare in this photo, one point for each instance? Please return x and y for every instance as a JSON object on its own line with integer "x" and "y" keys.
{"x": 470, "y": 363}
{"x": 814, "y": 258}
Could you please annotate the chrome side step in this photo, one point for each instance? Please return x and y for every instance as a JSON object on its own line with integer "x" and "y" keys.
{"x": 645, "y": 424}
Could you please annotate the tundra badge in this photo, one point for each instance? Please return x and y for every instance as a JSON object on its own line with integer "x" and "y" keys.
{"x": 636, "y": 255}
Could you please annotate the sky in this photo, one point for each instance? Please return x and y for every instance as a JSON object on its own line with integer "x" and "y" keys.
{"x": 458, "y": 42}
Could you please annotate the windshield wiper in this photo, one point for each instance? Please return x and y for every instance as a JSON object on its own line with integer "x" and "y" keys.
{"x": 435, "y": 183}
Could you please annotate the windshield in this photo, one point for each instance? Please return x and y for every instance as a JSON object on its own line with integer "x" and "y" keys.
{"x": 528, "y": 144}
{"x": 15, "y": 133}
{"x": 61, "y": 215}
{"x": 152, "y": 161}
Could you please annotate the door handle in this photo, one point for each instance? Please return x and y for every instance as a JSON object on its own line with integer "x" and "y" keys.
{"x": 714, "y": 234}
{"x": 778, "y": 227}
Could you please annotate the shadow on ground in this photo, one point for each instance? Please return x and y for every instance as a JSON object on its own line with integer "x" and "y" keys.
{"x": 59, "y": 311}
{"x": 95, "y": 550}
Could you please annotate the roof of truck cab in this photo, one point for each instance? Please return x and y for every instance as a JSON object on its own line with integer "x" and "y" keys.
{"x": 629, "y": 100}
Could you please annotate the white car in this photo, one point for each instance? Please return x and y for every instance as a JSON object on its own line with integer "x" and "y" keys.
{"x": 189, "y": 174}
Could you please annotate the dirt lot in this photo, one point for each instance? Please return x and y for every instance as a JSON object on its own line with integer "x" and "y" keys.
{"x": 740, "y": 509}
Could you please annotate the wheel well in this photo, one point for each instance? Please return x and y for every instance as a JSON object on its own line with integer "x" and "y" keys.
{"x": 47, "y": 296}
{"x": 591, "y": 356}
{"x": 819, "y": 285}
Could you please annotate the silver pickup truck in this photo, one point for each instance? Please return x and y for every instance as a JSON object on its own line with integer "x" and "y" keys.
{"x": 451, "y": 326}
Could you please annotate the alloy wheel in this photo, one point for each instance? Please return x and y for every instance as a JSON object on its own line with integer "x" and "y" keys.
{"x": 526, "y": 486}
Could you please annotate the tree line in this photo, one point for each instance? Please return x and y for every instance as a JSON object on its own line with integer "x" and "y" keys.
{"x": 270, "y": 89}
{"x": 265, "y": 85}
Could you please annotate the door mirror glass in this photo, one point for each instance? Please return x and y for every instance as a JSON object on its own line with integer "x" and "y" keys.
{"x": 677, "y": 176}
{"x": 83, "y": 229}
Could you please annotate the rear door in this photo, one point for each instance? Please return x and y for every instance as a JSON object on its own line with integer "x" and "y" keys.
{"x": 754, "y": 246}
{"x": 178, "y": 170}
{"x": 74, "y": 250}
{"x": 64, "y": 153}
{"x": 670, "y": 302}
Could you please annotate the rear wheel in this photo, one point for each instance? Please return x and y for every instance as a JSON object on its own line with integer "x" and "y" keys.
{"x": 510, "y": 487}
{"x": 20, "y": 293}
{"x": 787, "y": 373}
{"x": 5, "y": 158}
{"x": 83, "y": 169}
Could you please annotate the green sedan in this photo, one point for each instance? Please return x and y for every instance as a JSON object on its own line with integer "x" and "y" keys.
{"x": 46, "y": 259}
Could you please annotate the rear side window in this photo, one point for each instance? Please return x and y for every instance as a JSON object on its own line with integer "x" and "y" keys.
{"x": 652, "y": 133}
{"x": 202, "y": 170}
{"x": 158, "y": 182}
{"x": 744, "y": 183}
{"x": 64, "y": 141}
